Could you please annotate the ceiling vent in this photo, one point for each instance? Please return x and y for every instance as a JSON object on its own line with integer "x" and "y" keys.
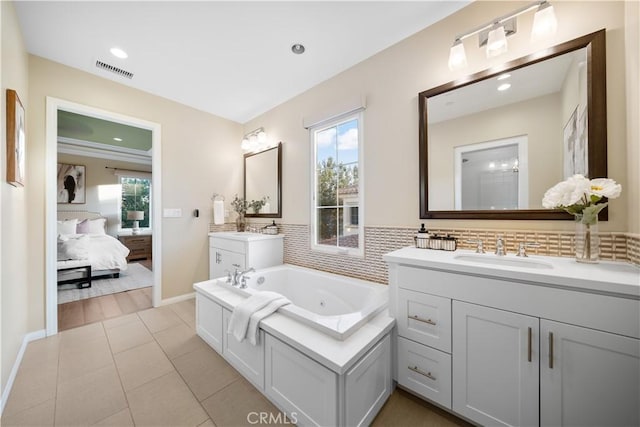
{"x": 114, "y": 69}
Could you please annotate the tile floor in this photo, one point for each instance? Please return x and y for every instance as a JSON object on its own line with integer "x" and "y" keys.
{"x": 151, "y": 369}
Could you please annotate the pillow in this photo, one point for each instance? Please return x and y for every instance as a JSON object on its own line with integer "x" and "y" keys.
{"x": 96, "y": 226}
{"x": 83, "y": 227}
{"x": 67, "y": 227}
{"x": 73, "y": 247}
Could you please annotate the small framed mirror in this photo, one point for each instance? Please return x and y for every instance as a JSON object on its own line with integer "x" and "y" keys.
{"x": 492, "y": 143}
{"x": 263, "y": 182}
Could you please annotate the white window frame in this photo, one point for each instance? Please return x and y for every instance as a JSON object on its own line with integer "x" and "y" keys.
{"x": 140, "y": 175}
{"x": 318, "y": 127}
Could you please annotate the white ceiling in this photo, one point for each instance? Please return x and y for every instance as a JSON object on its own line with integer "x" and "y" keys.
{"x": 231, "y": 59}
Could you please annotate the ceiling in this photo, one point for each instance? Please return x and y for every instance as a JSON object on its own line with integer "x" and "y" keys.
{"x": 231, "y": 59}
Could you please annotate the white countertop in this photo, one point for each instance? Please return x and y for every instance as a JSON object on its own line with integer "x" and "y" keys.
{"x": 244, "y": 236}
{"x": 336, "y": 355}
{"x": 606, "y": 277}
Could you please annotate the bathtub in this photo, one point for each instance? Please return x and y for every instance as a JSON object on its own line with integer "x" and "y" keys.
{"x": 333, "y": 304}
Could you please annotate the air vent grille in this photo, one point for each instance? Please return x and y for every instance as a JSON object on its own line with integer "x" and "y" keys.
{"x": 114, "y": 69}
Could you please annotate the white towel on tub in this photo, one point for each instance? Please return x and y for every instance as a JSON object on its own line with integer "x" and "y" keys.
{"x": 243, "y": 312}
{"x": 254, "y": 321}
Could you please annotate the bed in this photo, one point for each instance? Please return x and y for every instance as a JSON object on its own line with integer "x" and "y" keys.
{"x": 85, "y": 250}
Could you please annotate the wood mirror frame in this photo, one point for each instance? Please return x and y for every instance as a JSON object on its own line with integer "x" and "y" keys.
{"x": 597, "y": 126}
{"x": 278, "y": 213}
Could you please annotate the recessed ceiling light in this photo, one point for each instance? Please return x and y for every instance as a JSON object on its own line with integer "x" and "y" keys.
{"x": 298, "y": 49}
{"x": 117, "y": 139}
{"x": 504, "y": 76}
{"x": 504, "y": 86}
{"x": 118, "y": 53}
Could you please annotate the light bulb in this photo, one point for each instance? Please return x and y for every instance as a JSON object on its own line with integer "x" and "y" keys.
{"x": 262, "y": 136}
{"x": 245, "y": 144}
{"x": 457, "y": 56}
{"x": 545, "y": 23}
{"x": 497, "y": 41}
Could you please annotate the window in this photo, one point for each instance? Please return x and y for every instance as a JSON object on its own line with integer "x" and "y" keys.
{"x": 136, "y": 196}
{"x": 337, "y": 185}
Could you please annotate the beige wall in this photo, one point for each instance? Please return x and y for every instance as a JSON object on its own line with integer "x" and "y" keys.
{"x": 15, "y": 207}
{"x": 632, "y": 33}
{"x": 100, "y": 184}
{"x": 538, "y": 119}
{"x": 391, "y": 80}
{"x": 200, "y": 155}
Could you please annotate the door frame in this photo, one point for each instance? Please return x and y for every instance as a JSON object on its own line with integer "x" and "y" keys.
{"x": 51, "y": 158}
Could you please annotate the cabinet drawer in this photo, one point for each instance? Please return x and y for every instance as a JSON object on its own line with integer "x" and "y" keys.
{"x": 425, "y": 318}
{"x": 425, "y": 371}
{"x": 245, "y": 357}
{"x": 227, "y": 244}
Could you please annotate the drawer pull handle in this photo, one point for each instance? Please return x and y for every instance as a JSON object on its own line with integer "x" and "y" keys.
{"x": 421, "y": 372}
{"x": 529, "y": 345}
{"x": 419, "y": 319}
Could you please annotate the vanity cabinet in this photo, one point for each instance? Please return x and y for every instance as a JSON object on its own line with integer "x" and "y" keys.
{"x": 555, "y": 349}
{"x": 588, "y": 377}
{"x": 496, "y": 365}
{"x": 227, "y": 249}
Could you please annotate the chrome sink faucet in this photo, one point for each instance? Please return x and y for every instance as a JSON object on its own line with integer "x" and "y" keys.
{"x": 522, "y": 248}
{"x": 500, "y": 251}
{"x": 480, "y": 247}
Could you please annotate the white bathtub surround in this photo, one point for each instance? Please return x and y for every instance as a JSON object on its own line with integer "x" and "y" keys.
{"x": 518, "y": 341}
{"x": 308, "y": 374}
{"x": 247, "y": 315}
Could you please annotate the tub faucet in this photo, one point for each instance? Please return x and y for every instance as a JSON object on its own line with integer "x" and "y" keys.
{"x": 500, "y": 246}
{"x": 239, "y": 276}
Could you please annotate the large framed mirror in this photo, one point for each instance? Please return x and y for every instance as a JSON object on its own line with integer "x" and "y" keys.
{"x": 263, "y": 182}
{"x": 492, "y": 143}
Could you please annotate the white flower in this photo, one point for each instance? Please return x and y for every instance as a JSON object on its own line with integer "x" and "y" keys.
{"x": 605, "y": 187}
{"x": 566, "y": 193}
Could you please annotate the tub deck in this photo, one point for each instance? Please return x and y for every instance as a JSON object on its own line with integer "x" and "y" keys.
{"x": 335, "y": 354}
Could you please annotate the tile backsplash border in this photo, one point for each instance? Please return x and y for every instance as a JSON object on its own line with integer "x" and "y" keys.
{"x": 614, "y": 246}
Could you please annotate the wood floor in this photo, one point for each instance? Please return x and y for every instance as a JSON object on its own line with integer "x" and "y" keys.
{"x": 91, "y": 310}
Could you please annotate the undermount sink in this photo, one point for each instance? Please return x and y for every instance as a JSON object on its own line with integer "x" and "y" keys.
{"x": 504, "y": 261}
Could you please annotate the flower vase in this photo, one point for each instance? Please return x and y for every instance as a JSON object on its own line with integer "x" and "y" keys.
{"x": 587, "y": 241}
{"x": 241, "y": 222}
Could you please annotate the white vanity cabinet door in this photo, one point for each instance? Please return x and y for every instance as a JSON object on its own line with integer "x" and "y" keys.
{"x": 245, "y": 357}
{"x": 304, "y": 389}
{"x": 209, "y": 321}
{"x": 495, "y": 382}
{"x": 425, "y": 318}
{"x": 594, "y": 379}
{"x": 425, "y": 371}
{"x": 222, "y": 260}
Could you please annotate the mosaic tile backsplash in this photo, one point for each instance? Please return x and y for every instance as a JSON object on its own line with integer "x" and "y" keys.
{"x": 380, "y": 240}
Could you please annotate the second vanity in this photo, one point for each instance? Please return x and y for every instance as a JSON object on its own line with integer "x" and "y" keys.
{"x": 518, "y": 341}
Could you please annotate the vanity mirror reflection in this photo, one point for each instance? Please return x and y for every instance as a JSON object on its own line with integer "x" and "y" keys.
{"x": 492, "y": 143}
{"x": 263, "y": 181}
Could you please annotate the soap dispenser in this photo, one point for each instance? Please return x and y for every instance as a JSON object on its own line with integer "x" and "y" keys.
{"x": 422, "y": 238}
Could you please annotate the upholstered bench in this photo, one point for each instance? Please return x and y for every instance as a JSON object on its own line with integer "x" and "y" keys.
{"x": 75, "y": 271}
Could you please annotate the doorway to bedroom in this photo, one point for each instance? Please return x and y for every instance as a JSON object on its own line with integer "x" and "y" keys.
{"x": 103, "y": 227}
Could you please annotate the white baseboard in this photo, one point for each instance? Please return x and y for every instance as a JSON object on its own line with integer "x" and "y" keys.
{"x": 179, "y": 298}
{"x": 31, "y": 336}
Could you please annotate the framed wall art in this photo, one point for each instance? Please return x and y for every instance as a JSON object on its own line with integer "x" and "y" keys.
{"x": 71, "y": 184}
{"x": 16, "y": 140}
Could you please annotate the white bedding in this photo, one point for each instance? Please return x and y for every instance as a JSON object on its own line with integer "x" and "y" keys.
{"x": 106, "y": 252}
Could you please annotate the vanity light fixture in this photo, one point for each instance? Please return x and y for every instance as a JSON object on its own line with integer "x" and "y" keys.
{"x": 255, "y": 140}
{"x": 495, "y": 32}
